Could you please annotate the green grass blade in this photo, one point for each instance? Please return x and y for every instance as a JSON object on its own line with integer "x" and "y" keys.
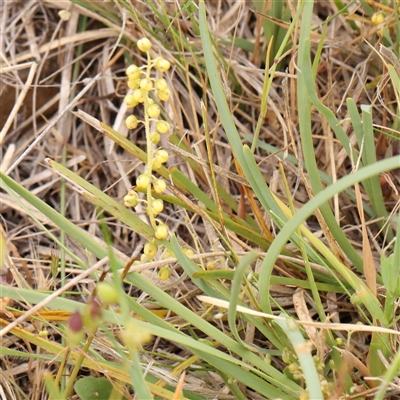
{"x": 142, "y": 391}
{"x": 105, "y": 202}
{"x": 190, "y": 267}
{"x": 216, "y": 86}
{"x": 51, "y": 386}
{"x": 369, "y": 158}
{"x": 395, "y": 79}
{"x": 244, "y": 264}
{"x": 304, "y": 356}
{"x": 307, "y": 210}
{"x": 306, "y": 97}
{"x": 322, "y": 175}
{"x": 391, "y": 374}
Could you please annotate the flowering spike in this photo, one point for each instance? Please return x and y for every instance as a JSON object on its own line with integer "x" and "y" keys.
{"x": 149, "y": 91}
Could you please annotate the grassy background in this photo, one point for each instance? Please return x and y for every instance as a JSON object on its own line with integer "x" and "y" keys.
{"x": 282, "y": 201}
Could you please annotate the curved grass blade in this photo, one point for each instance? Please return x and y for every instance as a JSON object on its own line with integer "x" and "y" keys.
{"x": 244, "y": 263}
{"x": 290, "y": 227}
{"x": 304, "y": 356}
{"x": 307, "y": 96}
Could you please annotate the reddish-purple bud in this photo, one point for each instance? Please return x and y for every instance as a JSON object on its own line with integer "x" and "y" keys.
{"x": 95, "y": 310}
{"x": 75, "y": 323}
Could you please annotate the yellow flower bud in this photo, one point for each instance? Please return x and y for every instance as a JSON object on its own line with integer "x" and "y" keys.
{"x": 143, "y": 181}
{"x": 161, "y": 231}
{"x": 92, "y": 314}
{"x": 340, "y": 342}
{"x": 133, "y": 337}
{"x": 164, "y": 95}
{"x": 133, "y": 83}
{"x": 107, "y": 293}
{"x": 162, "y": 126}
{"x": 159, "y": 185}
{"x": 156, "y": 165}
{"x": 157, "y": 206}
{"x": 211, "y": 265}
{"x": 161, "y": 156}
{"x": 134, "y": 75}
{"x": 146, "y": 84}
{"x": 153, "y": 111}
{"x": 138, "y": 96}
{"x": 130, "y": 101}
{"x": 167, "y": 254}
{"x": 131, "y": 199}
{"x": 150, "y": 249}
{"x": 131, "y": 122}
{"x": 188, "y": 252}
{"x": 132, "y": 70}
{"x": 64, "y": 15}
{"x": 162, "y": 64}
{"x": 297, "y": 376}
{"x": 377, "y": 18}
{"x": 293, "y": 368}
{"x": 155, "y": 137}
{"x": 144, "y": 45}
{"x": 161, "y": 84}
{"x": 164, "y": 273}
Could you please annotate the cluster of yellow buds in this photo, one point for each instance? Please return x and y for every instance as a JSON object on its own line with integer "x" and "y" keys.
{"x": 141, "y": 83}
{"x": 378, "y": 19}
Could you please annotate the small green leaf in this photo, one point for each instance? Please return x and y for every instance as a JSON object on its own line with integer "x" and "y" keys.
{"x": 390, "y": 274}
{"x": 91, "y": 388}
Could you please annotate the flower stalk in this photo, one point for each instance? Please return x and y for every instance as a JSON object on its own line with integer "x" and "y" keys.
{"x": 141, "y": 83}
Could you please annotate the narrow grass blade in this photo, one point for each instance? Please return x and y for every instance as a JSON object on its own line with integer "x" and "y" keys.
{"x": 307, "y": 96}
{"x": 369, "y": 158}
{"x": 244, "y": 264}
{"x": 391, "y": 373}
{"x": 304, "y": 356}
{"x": 142, "y": 391}
{"x": 99, "y": 198}
{"x": 291, "y": 226}
{"x": 51, "y": 387}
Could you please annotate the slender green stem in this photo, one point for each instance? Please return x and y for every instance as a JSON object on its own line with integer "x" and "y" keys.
{"x": 78, "y": 365}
